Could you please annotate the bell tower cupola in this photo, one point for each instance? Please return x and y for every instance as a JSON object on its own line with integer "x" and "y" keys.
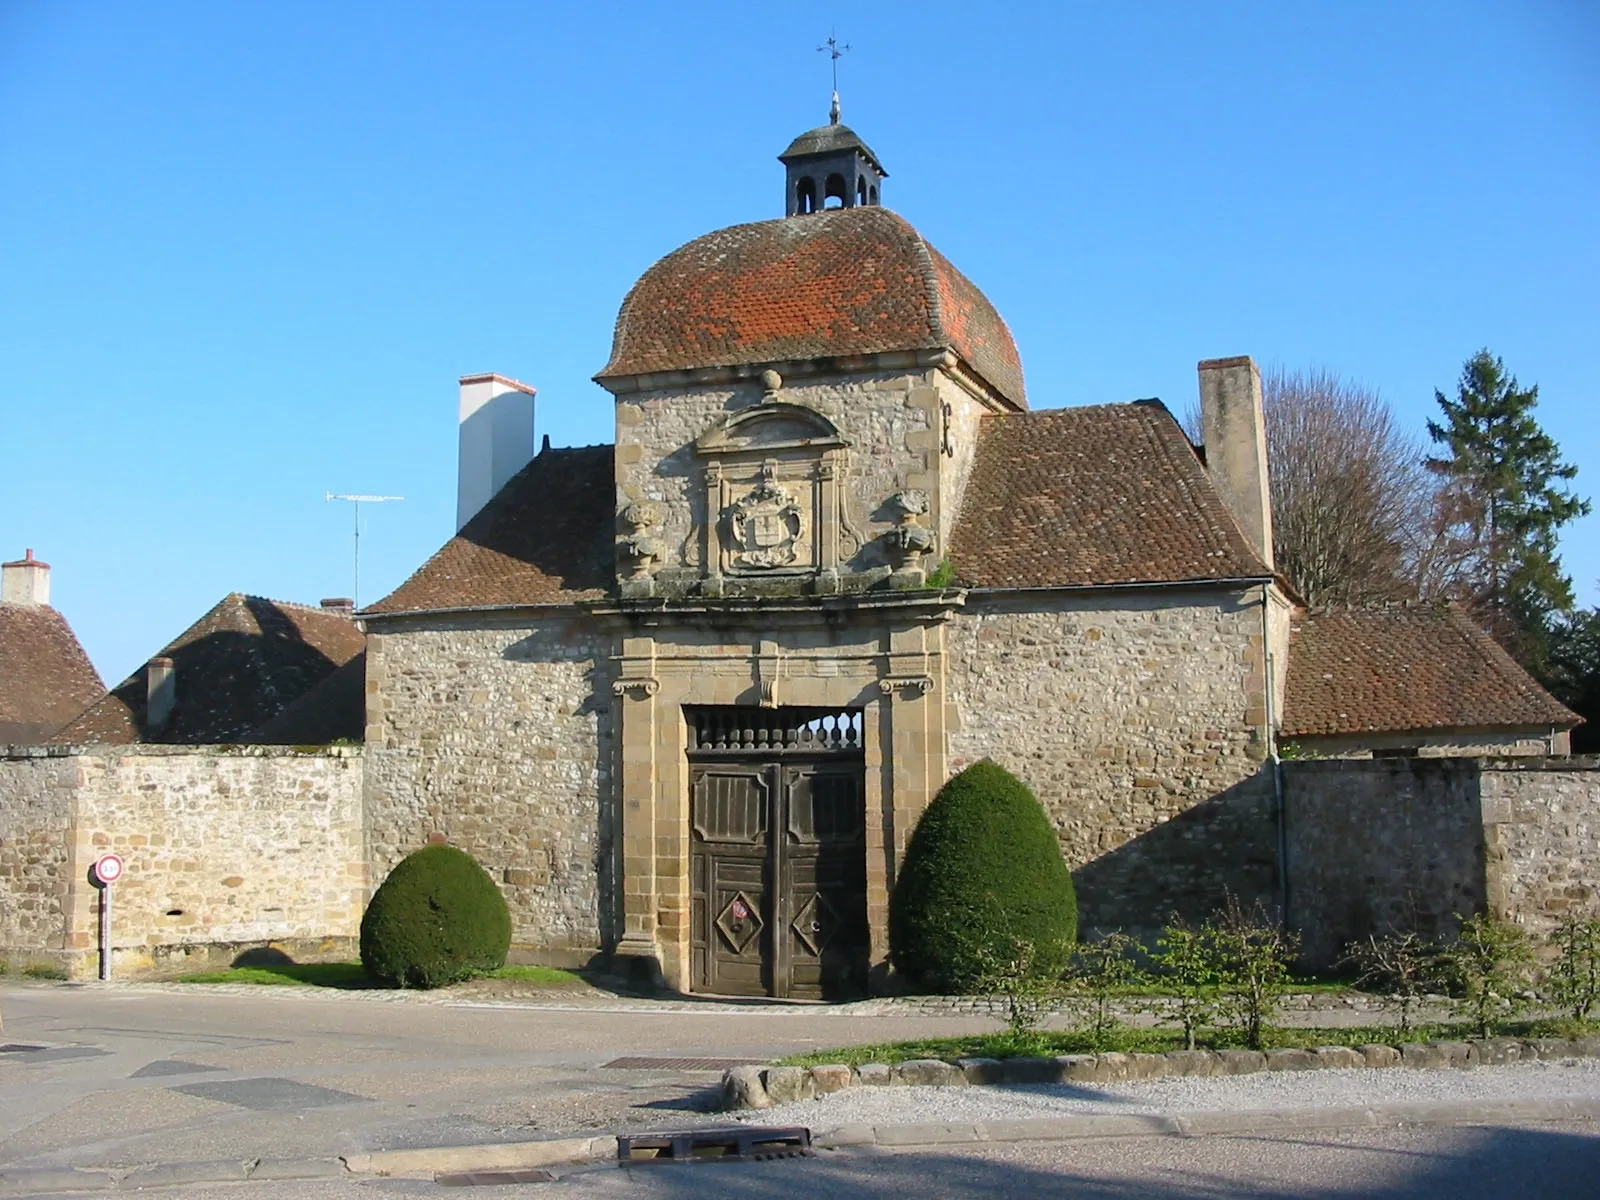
{"x": 830, "y": 167}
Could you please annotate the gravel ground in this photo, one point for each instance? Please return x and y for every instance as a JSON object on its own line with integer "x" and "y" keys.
{"x": 1268, "y": 1091}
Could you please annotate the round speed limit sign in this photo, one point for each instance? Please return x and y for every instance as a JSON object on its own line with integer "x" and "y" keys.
{"x": 108, "y": 868}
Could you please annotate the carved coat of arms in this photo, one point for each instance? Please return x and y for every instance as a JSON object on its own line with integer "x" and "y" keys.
{"x": 764, "y": 527}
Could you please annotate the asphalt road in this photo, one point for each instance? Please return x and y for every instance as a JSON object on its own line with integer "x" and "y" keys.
{"x": 1502, "y": 1163}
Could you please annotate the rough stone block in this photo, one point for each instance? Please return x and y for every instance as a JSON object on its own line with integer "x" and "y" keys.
{"x": 831, "y": 1077}
{"x": 1548, "y": 1049}
{"x": 1586, "y": 1047}
{"x": 742, "y": 1088}
{"x": 1193, "y": 1062}
{"x": 785, "y": 1085}
{"x": 980, "y": 1070}
{"x": 1112, "y": 1067}
{"x": 1497, "y": 1052}
{"x": 1147, "y": 1066}
{"x": 1241, "y": 1062}
{"x": 1339, "y": 1058}
{"x": 927, "y": 1072}
{"x": 1458, "y": 1054}
{"x": 1077, "y": 1068}
{"x": 1028, "y": 1070}
{"x": 1291, "y": 1060}
{"x": 1378, "y": 1056}
{"x": 1422, "y": 1055}
{"x": 874, "y": 1075}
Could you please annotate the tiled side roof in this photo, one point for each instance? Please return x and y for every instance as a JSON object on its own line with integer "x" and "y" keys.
{"x": 1107, "y": 494}
{"x": 239, "y": 665}
{"x": 333, "y": 710}
{"x": 1406, "y": 668}
{"x": 548, "y": 537}
{"x": 45, "y": 677}
{"x": 831, "y": 284}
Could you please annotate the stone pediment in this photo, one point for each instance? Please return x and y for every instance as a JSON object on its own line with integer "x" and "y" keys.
{"x": 770, "y": 426}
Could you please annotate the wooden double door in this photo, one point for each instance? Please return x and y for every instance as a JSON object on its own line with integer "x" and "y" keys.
{"x": 778, "y": 874}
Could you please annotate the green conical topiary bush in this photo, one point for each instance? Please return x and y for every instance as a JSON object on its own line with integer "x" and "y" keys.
{"x": 982, "y": 876}
{"x": 436, "y": 919}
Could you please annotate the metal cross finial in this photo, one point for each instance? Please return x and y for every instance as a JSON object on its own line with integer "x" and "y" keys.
{"x": 834, "y": 51}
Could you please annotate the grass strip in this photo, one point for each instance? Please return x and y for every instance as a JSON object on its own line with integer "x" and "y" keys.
{"x": 350, "y": 975}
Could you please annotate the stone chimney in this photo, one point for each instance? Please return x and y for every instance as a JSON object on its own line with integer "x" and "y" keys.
{"x": 496, "y": 439}
{"x": 160, "y": 693}
{"x": 1235, "y": 434}
{"x": 26, "y": 581}
{"x": 339, "y": 604}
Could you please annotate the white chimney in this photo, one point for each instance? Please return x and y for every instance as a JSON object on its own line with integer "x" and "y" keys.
{"x": 1235, "y": 434}
{"x": 26, "y": 581}
{"x": 496, "y": 435}
{"x": 161, "y": 693}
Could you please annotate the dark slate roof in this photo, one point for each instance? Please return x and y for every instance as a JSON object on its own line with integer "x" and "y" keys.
{"x": 1107, "y": 494}
{"x": 831, "y": 284}
{"x": 1407, "y": 668}
{"x": 45, "y": 677}
{"x": 334, "y": 710}
{"x": 238, "y": 666}
{"x": 830, "y": 139}
{"x": 548, "y": 537}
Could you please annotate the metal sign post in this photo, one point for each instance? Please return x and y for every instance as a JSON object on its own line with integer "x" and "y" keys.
{"x": 107, "y": 870}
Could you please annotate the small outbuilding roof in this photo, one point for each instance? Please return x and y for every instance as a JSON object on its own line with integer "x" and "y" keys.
{"x": 45, "y": 677}
{"x": 1407, "y": 668}
{"x": 235, "y": 668}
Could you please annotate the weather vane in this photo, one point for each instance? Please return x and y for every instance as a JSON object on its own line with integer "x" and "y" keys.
{"x": 835, "y": 52}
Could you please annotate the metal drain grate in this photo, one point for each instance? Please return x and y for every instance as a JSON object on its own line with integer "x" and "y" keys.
{"x": 679, "y": 1064}
{"x": 741, "y": 1141}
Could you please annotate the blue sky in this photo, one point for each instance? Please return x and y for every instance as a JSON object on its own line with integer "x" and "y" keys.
{"x": 247, "y": 249}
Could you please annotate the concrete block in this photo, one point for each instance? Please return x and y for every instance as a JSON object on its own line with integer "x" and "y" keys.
{"x": 1193, "y": 1062}
{"x": 980, "y": 1070}
{"x": 785, "y": 1085}
{"x": 742, "y": 1087}
{"x": 1291, "y": 1060}
{"x": 1338, "y": 1058}
{"x": 1077, "y": 1068}
{"x": 1241, "y": 1062}
{"x": 1378, "y": 1056}
{"x": 831, "y": 1077}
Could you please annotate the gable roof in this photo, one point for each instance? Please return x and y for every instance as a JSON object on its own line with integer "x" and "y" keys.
{"x": 333, "y": 710}
{"x": 1104, "y": 494}
{"x": 547, "y": 537}
{"x": 840, "y": 283}
{"x": 45, "y": 677}
{"x": 238, "y": 666}
{"x": 1406, "y": 668}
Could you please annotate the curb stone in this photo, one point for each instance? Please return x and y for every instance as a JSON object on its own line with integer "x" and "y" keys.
{"x": 1206, "y": 1124}
{"x": 762, "y": 1087}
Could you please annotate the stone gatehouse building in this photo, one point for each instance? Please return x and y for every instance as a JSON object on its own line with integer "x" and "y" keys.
{"x": 686, "y": 695}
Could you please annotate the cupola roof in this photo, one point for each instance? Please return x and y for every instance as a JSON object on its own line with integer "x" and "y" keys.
{"x": 832, "y": 284}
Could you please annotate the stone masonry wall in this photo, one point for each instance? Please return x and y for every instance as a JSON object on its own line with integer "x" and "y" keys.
{"x": 1136, "y": 719}
{"x": 1542, "y": 837}
{"x": 499, "y": 739}
{"x": 223, "y": 848}
{"x": 35, "y": 841}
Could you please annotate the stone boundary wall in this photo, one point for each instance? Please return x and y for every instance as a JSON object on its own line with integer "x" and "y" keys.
{"x": 226, "y": 849}
{"x": 1418, "y": 843}
{"x": 762, "y": 1087}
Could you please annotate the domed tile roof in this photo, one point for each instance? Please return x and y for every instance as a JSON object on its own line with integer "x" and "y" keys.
{"x": 832, "y": 284}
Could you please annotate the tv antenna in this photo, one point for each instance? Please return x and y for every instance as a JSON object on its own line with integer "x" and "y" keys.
{"x": 357, "y": 501}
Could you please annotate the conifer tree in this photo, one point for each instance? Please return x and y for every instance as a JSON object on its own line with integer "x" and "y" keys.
{"x": 1505, "y": 473}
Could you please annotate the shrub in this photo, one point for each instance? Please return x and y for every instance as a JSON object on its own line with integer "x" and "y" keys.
{"x": 1253, "y": 955}
{"x": 436, "y": 919}
{"x": 983, "y": 874}
{"x": 1574, "y": 980}
{"x": 1400, "y": 966}
{"x": 1488, "y": 967}
{"x": 1102, "y": 972}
